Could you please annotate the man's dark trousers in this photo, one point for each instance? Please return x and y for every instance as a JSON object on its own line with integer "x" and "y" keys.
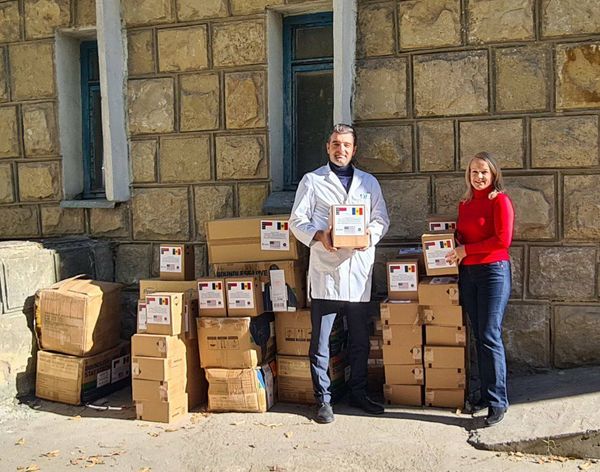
{"x": 323, "y": 314}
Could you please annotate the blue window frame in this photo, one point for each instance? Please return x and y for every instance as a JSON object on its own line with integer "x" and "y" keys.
{"x": 308, "y": 93}
{"x": 93, "y": 160}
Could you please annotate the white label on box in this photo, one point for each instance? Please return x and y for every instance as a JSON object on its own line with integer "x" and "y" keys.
{"x": 349, "y": 221}
{"x": 274, "y": 235}
{"x": 158, "y": 310}
{"x": 103, "y": 378}
{"x": 278, "y": 290}
{"x": 443, "y": 280}
{"x": 142, "y": 317}
{"x": 210, "y": 295}
{"x": 403, "y": 277}
{"x": 121, "y": 367}
{"x": 171, "y": 258}
{"x": 435, "y": 253}
{"x": 442, "y": 225}
{"x": 240, "y": 295}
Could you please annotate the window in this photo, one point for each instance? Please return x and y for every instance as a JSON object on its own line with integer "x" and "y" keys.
{"x": 92, "y": 147}
{"x": 308, "y": 93}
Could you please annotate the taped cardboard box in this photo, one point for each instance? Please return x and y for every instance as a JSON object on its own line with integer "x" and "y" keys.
{"x": 442, "y": 357}
{"x": 404, "y": 374}
{"x": 163, "y": 412}
{"x": 234, "y": 343}
{"x": 80, "y": 317}
{"x": 435, "y": 248}
{"x": 411, "y": 395}
{"x": 402, "y": 335}
{"x": 402, "y": 354}
{"x": 403, "y": 279}
{"x": 445, "y": 398}
{"x": 398, "y": 313}
{"x": 212, "y": 300}
{"x": 441, "y": 223}
{"x": 243, "y": 390}
{"x": 349, "y": 226}
{"x": 445, "y": 335}
{"x": 156, "y": 345}
{"x": 79, "y": 380}
{"x": 176, "y": 262}
{"x": 445, "y": 379}
{"x": 165, "y": 313}
{"x": 438, "y": 291}
{"x": 244, "y": 296}
{"x": 157, "y": 368}
{"x": 251, "y": 239}
{"x": 157, "y": 390}
{"x": 442, "y": 315}
{"x": 273, "y": 275}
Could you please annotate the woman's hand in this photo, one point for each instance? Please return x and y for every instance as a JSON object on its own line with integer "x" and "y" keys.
{"x": 456, "y": 255}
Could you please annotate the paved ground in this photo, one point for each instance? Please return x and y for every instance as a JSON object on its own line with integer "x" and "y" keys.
{"x": 54, "y": 437}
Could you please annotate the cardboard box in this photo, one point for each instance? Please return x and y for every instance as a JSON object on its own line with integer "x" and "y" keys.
{"x": 157, "y": 390}
{"x": 442, "y": 357}
{"x": 445, "y": 378}
{"x": 234, "y": 343}
{"x": 293, "y": 331}
{"x": 349, "y": 226}
{"x": 79, "y": 380}
{"x": 142, "y": 317}
{"x": 252, "y": 239}
{"x": 196, "y": 386}
{"x": 176, "y": 262}
{"x": 403, "y": 279}
{"x": 244, "y": 296}
{"x": 404, "y": 374}
{"x": 438, "y": 291}
{"x": 243, "y": 390}
{"x": 445, "y": 398}
{"x": 156, "y": 345}
{"x": 165, "y": 313}
{"x": 442, "y": 315}
{"x": 275, "y": 275}
{"x": 435, "y": 248}
{"x": 158, "y": 368}
{"x": 399, "y": 313}
{"x": 402, "y": 335}
{"x": 403, "y": 394}
{"x": 162, "y": 412}
{"x": 402, "y": 354}
{"x": 441, "y": 223}
{"x": 212, "y": 300}
{"x": 445, "y": 335}
{"x": 80, "y": 317}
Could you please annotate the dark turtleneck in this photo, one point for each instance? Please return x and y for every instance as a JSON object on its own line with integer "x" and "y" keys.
{"x": 344, "y": 173}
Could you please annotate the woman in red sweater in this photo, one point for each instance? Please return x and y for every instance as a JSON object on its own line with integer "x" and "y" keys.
{"x": 484, "y": 233}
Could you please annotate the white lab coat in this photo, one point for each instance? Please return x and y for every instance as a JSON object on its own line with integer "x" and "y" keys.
{"x": 345, "y": 275}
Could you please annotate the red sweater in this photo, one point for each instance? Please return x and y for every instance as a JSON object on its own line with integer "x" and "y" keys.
{"x": 485, "y": 227}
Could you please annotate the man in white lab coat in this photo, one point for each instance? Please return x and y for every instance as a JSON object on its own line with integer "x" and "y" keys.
{"x": 340, "y": 279}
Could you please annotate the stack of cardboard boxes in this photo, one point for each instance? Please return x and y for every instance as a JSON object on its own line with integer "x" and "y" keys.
{"x": 82, "y": 357}
{"x": 167, "y": 379}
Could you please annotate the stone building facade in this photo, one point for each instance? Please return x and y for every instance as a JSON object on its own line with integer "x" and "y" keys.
{"x": 435, "y": 82}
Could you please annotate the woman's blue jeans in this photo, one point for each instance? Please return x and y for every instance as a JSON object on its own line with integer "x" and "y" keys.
{"x": 484, "y": 292}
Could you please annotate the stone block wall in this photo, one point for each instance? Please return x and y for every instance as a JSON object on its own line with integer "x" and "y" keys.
{"x": 436, "y": 81}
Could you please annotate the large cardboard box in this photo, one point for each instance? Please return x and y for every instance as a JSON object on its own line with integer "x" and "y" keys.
{"x": 435, "y": 248}
{"x": 156, "y": 345}
{"x": 442, "y": 315}
{"x": 349, "y": 226}
{"x": 176, "y": 262}
{"x": 402, "y": 354}
{"x": 165, "y": 313}
{"x": 411, "y": 395}
{"x": 159, "y": 368}
{"x": 445, "y": 378}
{"x": 212, "y": 300}
{"x": 244, "y": 390}
{"x": 78, "y": 380}
{"x": 442, "y": 357}
{"x": 445, "y": 335}
{"x": 80, "y": 317}
{"x": 404, "y": 374}
{"x": 403, "y": 279}
{"x": 261, "y": 238}
{"x": 395, "y": 313}
{"x": 163, "y": 412}
{"x": 402, "y": 335}
{"x": 284, "y": 281}
{"x": 445, "y": 398}
{"x": 438, "y": 291}
{"x": 235, "y": 343}
{"x": 244, "y": 296}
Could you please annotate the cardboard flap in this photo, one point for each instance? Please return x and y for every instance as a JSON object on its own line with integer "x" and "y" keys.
{"x": 86, "y": 287}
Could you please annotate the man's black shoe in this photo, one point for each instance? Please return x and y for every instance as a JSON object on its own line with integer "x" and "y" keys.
{"x": 495, "y": 415}
{"x": 472, "y": 408}
{"x": 324, "y": 413}
{"x": 367, "y": 405}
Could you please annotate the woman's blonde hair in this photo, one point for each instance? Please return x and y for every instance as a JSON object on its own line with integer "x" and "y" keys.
{"x": 497, "y": 181}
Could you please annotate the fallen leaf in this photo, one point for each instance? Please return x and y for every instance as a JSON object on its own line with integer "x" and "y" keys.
{"x": 20, "y": 442}
{"x": 288, "y": 435}
{"x": 171, "y": 430}
{"x": 51, "y": 454}
{"x": 145, "y": 469}
{"x": 251, "y": 445}
{"x": 237, "y": 423}
{"x": 29, "y": 468}
{"x": 74, "y": 418}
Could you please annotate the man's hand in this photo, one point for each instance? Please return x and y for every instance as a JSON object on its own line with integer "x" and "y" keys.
{"x": 324, "y": 237}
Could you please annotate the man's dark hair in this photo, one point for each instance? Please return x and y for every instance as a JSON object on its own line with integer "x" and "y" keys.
{"x": 343, "y": 128}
